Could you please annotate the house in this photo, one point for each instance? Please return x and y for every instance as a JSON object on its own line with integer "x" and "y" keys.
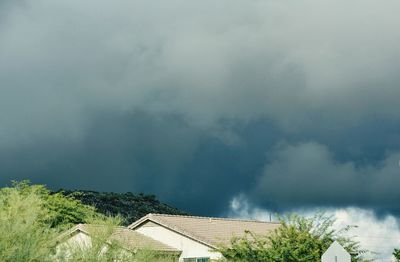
{"x": 81, "y": 236}
{"x": 188, "y": 238}
{"x": 197, "y": 237}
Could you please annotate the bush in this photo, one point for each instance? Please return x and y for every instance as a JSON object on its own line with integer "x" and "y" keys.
{"x": 24, "y": 236}
{"x": 61, "y": 211}
{"x": 298, "y": 239}
{"x": 396, "y": 254}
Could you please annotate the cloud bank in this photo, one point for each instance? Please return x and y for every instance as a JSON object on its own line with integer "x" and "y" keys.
{"x": 290, "y": 104}
{"x": 308, "y": 174}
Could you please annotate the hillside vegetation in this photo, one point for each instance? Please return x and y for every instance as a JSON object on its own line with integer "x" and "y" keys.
{"x": 128, "y": 206}
{"x": 32, "y": 219}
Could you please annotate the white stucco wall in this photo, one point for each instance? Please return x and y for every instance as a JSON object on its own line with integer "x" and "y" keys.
{"x": 190, "y": 248}
{"x": 79, "y": 240}
{"x": 336, "y": 253}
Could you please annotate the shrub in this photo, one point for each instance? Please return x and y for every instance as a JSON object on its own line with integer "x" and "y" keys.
{"x": 298, "y": 239}
{"x": 24, "y": 236}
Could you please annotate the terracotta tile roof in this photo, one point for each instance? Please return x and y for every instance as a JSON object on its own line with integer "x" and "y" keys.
{"x": 127, "y": 238}
{"x": 208, "y": 230}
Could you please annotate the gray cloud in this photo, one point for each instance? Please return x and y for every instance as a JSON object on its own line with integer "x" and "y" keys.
{"x": 308, "y": 174}
{"x": 178, "y": 98}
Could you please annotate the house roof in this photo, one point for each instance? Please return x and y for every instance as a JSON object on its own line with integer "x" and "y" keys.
{"x": 127, "y": 238}
{"x": 208, "y": 230}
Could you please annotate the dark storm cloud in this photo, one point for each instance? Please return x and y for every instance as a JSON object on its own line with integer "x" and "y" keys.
{"x": 191, "y": 101}
{"x": 308, "y": 174}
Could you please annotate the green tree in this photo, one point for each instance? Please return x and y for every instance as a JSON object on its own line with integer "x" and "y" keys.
{"x": 31, "y": 218}
{"x": 396, "y": 254}
{"x": 24, "y": 237}
{"x": 61, "y": 211}
{"x": 298, "y": 239}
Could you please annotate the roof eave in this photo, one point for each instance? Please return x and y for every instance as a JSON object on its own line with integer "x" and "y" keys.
{"x": 176, "y": 230}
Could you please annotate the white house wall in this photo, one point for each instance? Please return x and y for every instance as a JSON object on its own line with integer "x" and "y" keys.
{"x": 336, "y": 253}
{"x": 77, "y": 241}
{"x": 190, "y": 248}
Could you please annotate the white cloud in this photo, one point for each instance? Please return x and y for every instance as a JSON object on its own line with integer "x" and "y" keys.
{"x": 377, "y": 235}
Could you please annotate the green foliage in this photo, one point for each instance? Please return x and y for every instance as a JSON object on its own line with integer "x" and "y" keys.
{"x": 129, "y": 206}
{"x": 396, "y": 254}
{"x": 24, "y": 236}
{"x": 298, "y": 239}
{"x": 31, "y": 218}
{"x": 61, "y": 211}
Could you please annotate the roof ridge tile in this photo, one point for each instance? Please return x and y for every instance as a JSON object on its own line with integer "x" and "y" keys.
{"x": 212, "y": 218}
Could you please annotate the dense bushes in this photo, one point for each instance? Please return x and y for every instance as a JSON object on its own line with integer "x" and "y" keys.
{"x": 25, "y": 236}
{"x": 59, "y": 211}
{"x": 32, "y": 218}
{"x": 129, "y": 206}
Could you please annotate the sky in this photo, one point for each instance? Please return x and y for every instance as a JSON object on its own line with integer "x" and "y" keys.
{"x": 286, "y": 104}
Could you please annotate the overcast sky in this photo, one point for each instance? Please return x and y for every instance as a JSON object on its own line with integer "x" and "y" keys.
{"x": 287, "y": 104}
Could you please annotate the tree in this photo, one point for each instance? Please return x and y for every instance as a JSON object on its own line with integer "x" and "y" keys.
{"x": 61, "y": 211}
{"x": 298, "y": 239}
{"x": 31, "y": 218}
{"x": 396, "y": 254}
{"x": 24, "y": 237}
